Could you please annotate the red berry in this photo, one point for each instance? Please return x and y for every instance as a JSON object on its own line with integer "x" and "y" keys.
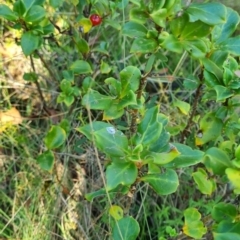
{"x": 95, "y": 19}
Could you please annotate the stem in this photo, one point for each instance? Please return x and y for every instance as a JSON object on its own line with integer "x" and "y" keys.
{"x": 194, "y": 109}
{"x": 133, "y": 126}
{"x": 39, "y": 88}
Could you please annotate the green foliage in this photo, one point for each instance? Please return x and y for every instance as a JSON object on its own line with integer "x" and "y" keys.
{"x": 142, "y": 143}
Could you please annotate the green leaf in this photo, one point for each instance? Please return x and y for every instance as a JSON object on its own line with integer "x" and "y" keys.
{"x": 211, "y": 67}
{"x": 46, "y": 160}
{"x": 114, "y": 86}
{"x": 90, "y": 196}
{"x": 96, "y": 100}
{"x": 159, "y": 16}
{"x": 183, "y": 106}
{"x": 126, "y": 228}
{"x": 111, "y": 141}
{"x": 31, "y": 77}
{"x": 163, "y": 183}
{"x": 116, "y": 212}
{"x": 223, "y": 93}
{"x": 222, "y": 32}
{"x": 188, "y": 157}
{"x": 224, "y": 211}
{"x": 231, "y": 45}
{"x": 164, "y": 157}
{"x": 124, "y": 173}
{"x": 172, "y": 44}
{"x": 201, "y": 179}
{"x": 138, "y": 15}
{"x": 129, "y": 99}
{"x": 216, "y": 160}
{"x": 210, "y": 129}
{"x": 209, "y": 13}
{"x": 226, "y": 236}
{"x": 114, "y": 111}
{"x": 82, "y": 45}
{"x": 144, "y": 45}
{"x": 29, "y": 43}
{"x": 130, "y": 79}
{"x": 134, "y": 29}
{"x": 55, "y": 137}
{"x": 105, "y": 68}
{"x": 19, "y": 8}
{"x": 56, "y": 3}
{"x": 35, "y": 14}
{"x": 81, "y": 67}
{"x": 229, "y": 227}
{"x": 193, "y": 226}
{"x": 7, "y": 13}
{"x": 197, "y": 48}
{"x": 196, "y": 30}
{"x": 29, "y": 3}
{"x": 89, "y": 129}
{"x": 234, "y": 178}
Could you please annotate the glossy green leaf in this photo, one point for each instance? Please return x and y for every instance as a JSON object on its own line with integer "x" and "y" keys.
{"x": 150, "y": 63}
{"x": 19, "y": 8}
{"x": 144, "y": 45}
{"x": 124, "y": 173}
{"x": 89, "y": 129}
{"x": 188, "y": 157}
{"x": 224, "y": 211}
{"x": 56, "y": 3}
{"x": 138, "y": 15}
{"x": 129, "y": 99}
{"x": 196, "y": 48}
{"x": 113, "y": 24}
{"x": 31, "y": 77}
{"x": 234, "y": 178}
{"x": 134, "y": 29}
{"x": 164, "y": 157}
{"x": 55, "y": 137}
{"x": 177, "y": 25}
{"x": 90, "y": 196}
{"x": 7, "y": 13}
{"x": 229, "y": 227}
{"x": 222, "y": 32}
{"x": 82, "y": 45}
{"x": 114, "y": 111}
{"x": 210, "y": 79}
{"x": 105, "y": 68}
{"x": 116, "y": 212}
{"x": 35, "y": 14}
{"x": 223, "y": 93}
{"x": 184, "y": 107}
{"x": 126, "y": 228}
{"x": 216, "y": 160}
{"x": 46, "y": 160}
{"x": 159, "y": 16}
{"x": 194, "y": 30}
{"x": 29, "y": 43}
{"x": 111, "y": 141}
{"x": 163, "y": 183}
{"x": 211, "y": 67}
{"x": 172, "y": 44}
{"x": 114, "y": 85}
{"x": 231, "y": 45}
{"x": 210, "y": 129}
{"x": 226, "y": 236}
{"x": 81, "y": 67}
{"x": 193, "y": 226}
{"x": 130, "y": 79}
{"x": 209, "y": 13}
{"x": 29, "y": 3}
{"x": 95, "y": 100}
{"x": 205, "y": 185}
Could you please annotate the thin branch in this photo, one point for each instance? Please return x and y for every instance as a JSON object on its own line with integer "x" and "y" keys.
{"x": 186, "y": 130}
{"x": 39, "y": 88}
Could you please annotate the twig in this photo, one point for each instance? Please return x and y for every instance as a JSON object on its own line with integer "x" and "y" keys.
{"x": 194, "y": 109}
{"x": 39, "y": 88}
